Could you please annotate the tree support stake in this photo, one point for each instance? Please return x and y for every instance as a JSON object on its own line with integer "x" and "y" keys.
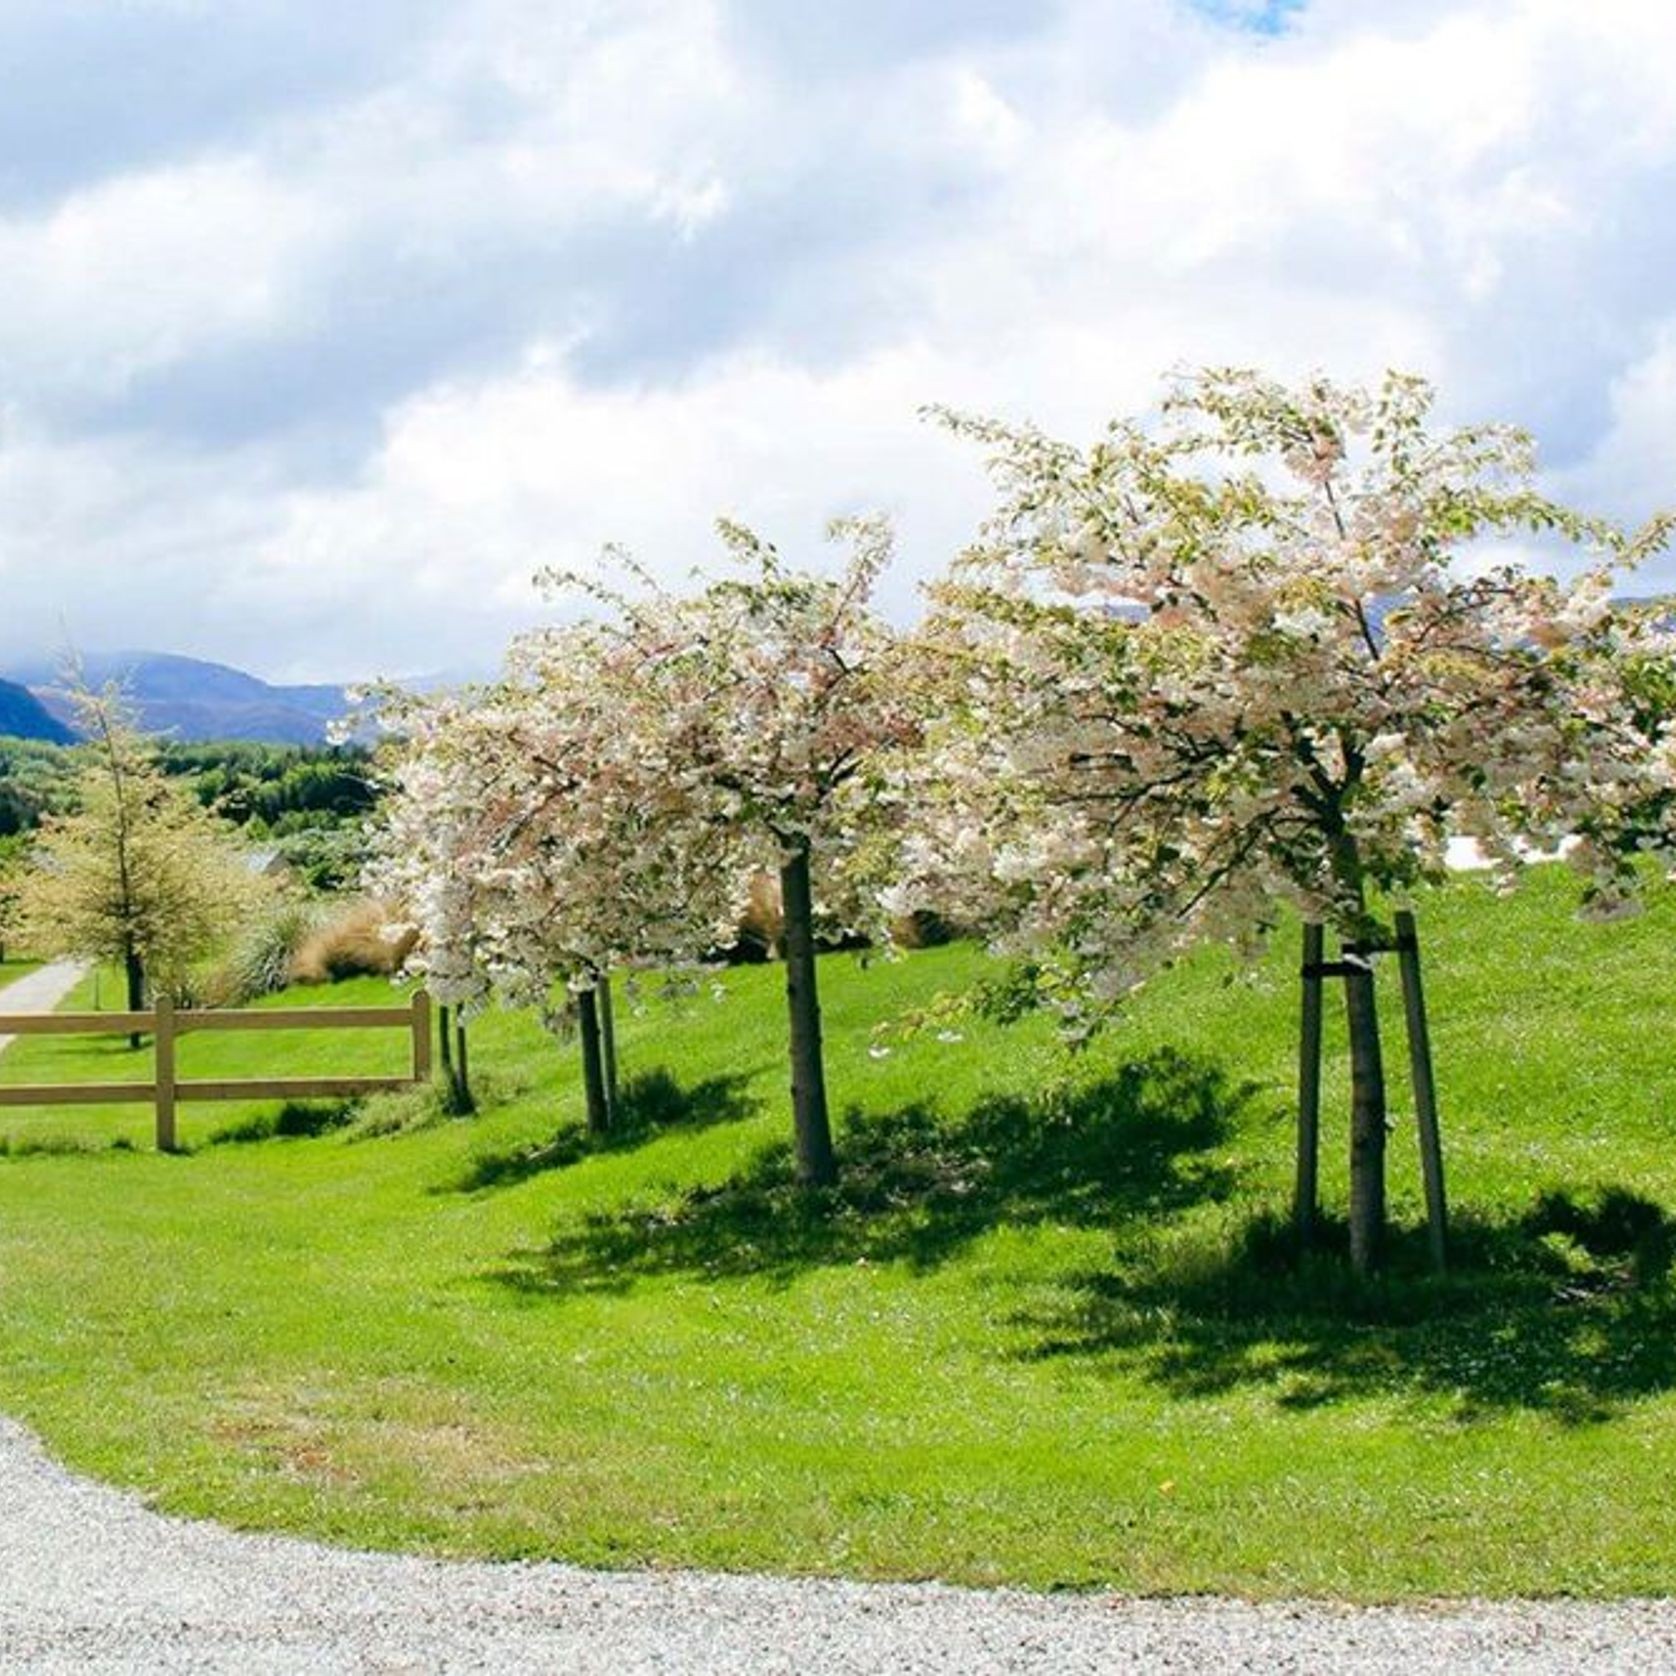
{"x": 1355, "y": 966}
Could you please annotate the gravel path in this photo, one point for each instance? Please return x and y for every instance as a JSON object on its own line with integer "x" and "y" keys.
{"x": 39, "y": 991}
{"x": 90, "y": 1580}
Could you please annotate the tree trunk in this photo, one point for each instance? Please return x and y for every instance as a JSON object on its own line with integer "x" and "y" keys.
{"x": 817, "y": 1165}
{"x": 456, "y": 1077}
{"x": 1367, "y": 1115}
{"x": 465, "y": 1102}
{"x": 134, "y": 970}
{"x": 608, "y": 1046}
{"x": 593, "y": 1064}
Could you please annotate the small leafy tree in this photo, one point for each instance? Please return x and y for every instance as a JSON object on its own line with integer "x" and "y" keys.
{"x": 1196, "y": 673}
{"x": 139, "y": 874}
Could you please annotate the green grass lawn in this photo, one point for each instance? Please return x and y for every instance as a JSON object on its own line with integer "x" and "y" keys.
{"x": 10, "y": 969}
{"x": 1044, "y": 1334}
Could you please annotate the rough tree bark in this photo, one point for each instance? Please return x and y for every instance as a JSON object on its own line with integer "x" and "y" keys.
{"x": 133, "y": 968}
{"x": 817, "y": 1164}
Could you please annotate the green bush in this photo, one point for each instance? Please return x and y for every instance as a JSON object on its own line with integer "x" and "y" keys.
{"x": 261, "y": 962}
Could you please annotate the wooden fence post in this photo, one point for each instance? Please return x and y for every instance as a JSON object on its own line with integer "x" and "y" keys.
{"x": 1425, "y": 1088}
{"x": 421, "y": 1036}
{"x": 163, "y": 1039}
{"x": 1307, "y": 1193}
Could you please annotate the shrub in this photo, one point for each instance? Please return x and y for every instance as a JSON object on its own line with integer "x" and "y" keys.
{"x": 359, "y": 941}
{"x": 262, "y": 960}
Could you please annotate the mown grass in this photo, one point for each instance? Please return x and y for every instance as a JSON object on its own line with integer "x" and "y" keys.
{"x": 15, "y": 968}
{"x": 1049, "y": 1330}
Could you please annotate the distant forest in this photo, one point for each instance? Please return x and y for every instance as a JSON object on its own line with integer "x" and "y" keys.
{"x": 307, "y": 802}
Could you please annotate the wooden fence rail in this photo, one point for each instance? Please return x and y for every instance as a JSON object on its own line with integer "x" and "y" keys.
{"x": 166, "y": 1025}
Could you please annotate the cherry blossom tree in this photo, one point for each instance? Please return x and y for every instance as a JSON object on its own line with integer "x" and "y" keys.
{"x": 582, "y": 873}
{"x": 425, "y": 859}
{"x": 763, "y": 706}
{"x": 525, "y": 835}
{"x": 1265, "y": 653}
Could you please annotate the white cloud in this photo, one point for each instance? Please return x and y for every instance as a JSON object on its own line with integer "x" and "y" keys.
{"x": 600, "y": 272}
{"x": 1632, "y": 468}
{"x": 477, "y": 486}
{"x": 147, "y": 270}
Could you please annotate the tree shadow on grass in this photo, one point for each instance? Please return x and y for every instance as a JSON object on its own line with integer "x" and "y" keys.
{"x": 295, "y": 1120}
{"x": 918, "y": 1185}
{"x": 1568, "y": 1310}
{"x": 647, "y": 1106}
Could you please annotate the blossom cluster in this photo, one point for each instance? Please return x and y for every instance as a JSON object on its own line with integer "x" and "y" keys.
{"x": 1265, "y": 654}
{"x": 610, "y": 801}
{"x": 1269, "y": 652}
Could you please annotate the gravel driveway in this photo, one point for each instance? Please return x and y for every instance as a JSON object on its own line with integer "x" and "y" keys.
{"x": 90, "y": 1580}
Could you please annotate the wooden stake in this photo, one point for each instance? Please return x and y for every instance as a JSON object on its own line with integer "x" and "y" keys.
{"x": 1307, "y": 1196}
{"x": 1367, "y": 1112}
{"x": 421, "y": 1036}
{"x": 163, "y": 1010}
{"x": 1425, "y": 1089}
{"x": 608, "y": 1045}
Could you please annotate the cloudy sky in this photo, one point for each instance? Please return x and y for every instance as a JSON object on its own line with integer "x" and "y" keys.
{"x": 322, "y": 326}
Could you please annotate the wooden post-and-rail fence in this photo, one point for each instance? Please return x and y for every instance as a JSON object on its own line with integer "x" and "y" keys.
{"x": 166, "y": 1025}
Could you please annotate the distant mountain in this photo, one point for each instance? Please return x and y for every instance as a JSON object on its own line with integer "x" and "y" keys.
{"x": 23, "y": 716}
{"x": 190, "y": 699}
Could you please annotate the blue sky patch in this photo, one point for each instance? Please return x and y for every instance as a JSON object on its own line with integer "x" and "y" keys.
{"x": 1259, "y": 17}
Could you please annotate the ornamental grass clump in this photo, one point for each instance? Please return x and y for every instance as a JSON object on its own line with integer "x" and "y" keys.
{"x": 363, "y": 939}
{"x": 265, "y": 956}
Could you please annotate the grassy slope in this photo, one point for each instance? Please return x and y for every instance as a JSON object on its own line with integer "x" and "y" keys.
{"x": 10, "y": 969}
{"x": 1026, "y": 1348}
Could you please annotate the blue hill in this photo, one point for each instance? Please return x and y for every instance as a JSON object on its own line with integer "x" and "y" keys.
{"x": 23, "y": 716}
{"x": 190, "y": 699}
